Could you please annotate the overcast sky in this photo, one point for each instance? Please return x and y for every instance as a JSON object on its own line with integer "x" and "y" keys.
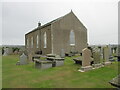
{"x": 99, "y": 16}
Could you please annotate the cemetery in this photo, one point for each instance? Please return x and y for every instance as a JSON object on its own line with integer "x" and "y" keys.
{"x": 49, "y": 60}
{"x": 52, "y": 70}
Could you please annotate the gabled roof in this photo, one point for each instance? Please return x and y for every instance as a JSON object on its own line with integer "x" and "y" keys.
{"x": 47, "y": 24}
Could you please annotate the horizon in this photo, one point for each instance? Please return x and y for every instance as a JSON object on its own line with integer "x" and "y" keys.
{"x": 100, "y": 19}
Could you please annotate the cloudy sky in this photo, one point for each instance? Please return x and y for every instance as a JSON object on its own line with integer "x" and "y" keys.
{"x": 99, "y": 16}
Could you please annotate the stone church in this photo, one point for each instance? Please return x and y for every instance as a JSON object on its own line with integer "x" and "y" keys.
{"x": 66, "y": 33}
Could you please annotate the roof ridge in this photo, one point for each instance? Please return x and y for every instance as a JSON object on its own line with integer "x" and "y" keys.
{"x": 39, "y": 27}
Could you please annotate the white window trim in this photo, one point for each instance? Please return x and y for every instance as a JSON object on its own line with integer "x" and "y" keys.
{"x": 37, "y": 43}
{"x": 31, "y": 42}
{"x": 45, "y": 40}
{"x": 72, "y": 44}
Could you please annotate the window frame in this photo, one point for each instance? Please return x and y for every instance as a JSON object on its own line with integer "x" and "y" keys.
{"x": 72, "y": 43}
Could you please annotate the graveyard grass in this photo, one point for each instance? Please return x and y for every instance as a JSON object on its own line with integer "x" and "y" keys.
{"x": 67, "y": 76}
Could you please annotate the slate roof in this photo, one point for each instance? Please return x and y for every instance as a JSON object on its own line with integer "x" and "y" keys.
{"x": 47, "y": 24}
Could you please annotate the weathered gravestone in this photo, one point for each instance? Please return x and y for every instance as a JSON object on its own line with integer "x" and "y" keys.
{"x": 116, "y": 82}
{"x": 86, "y": 59}
{"x": 10, "y": 51}
{"x": 106, "y": 56}
{"x": 43, "y": 64}
{"x": 118, "y": 53}
{"x": 118, "y": 50}
{"x": 5, "y": 52}
{"x": 59, "y": 61}
{"x": 0, "y": 52}
{"x": 101, "y": 53}
{"x": 111, "y": 58}
{"x": 110, "y": 50}
{"x": 62, "y": 53}
{"x": 23, "y": 60}
{"x": 96, "y": 57}
{"x": 56, "y": 60}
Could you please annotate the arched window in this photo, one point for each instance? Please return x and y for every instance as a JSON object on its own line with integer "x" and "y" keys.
{"x": 72, "y": 38}
{"x": 45, "y": 40}
{"x": 31, "y": 42}
{"x": 37, "y": 41}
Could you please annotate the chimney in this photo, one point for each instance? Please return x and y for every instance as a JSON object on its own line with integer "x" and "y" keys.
{"x": 39, "y": 24}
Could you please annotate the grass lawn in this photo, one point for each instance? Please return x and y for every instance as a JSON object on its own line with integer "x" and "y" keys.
{"x": 67, "y": 76}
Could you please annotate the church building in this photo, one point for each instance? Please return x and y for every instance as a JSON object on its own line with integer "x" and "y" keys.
{"x": 66, "y": 33}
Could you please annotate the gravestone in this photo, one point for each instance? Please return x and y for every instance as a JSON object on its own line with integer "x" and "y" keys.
{"x": 115, "y": 82}
{"x": 110, "y": 50}
{"x": 86, "y": 60}
{"x": 62, "y": 53}
{"x": 57, "y": 60}
{"x": 118, "y": 53}
{"x": 72, "y": 48}
{"x": 96, "y": 57}
{"x": 106, "y": 56}
{"x": 111, "y": 58}
{"x": 16, "y": 52}
{"x": 51, "y": 55}
{"x": 101, "y": 52}
{"x": 43, "y": 64}
{"x": 10, "y": 51}
{"x": 23, "y": 59}
{"x": 0, "y": 52}
{"x": 5, "y": 52}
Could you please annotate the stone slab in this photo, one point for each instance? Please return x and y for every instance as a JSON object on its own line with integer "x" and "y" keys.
{"x": 97, "y": 65}
{"x": 86, "y": 68}
{"x": 43, "y": 65}
{"x": 107, "y": 63}
{"x": 59, "y": 63}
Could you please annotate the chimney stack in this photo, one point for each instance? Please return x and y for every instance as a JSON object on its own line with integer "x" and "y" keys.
{"x": 39, "y": 24}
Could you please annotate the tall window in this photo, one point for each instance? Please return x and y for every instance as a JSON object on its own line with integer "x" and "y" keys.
{"x": 27, "y": 42}
{"x": 45, "y": 40}
{"x": 72, "y": 38}
{"x": 31, "y": 42}
{"x": 37, "y": 41}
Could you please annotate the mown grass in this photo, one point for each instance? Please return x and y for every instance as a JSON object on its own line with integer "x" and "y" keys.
{"x": 67, "y": 76}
